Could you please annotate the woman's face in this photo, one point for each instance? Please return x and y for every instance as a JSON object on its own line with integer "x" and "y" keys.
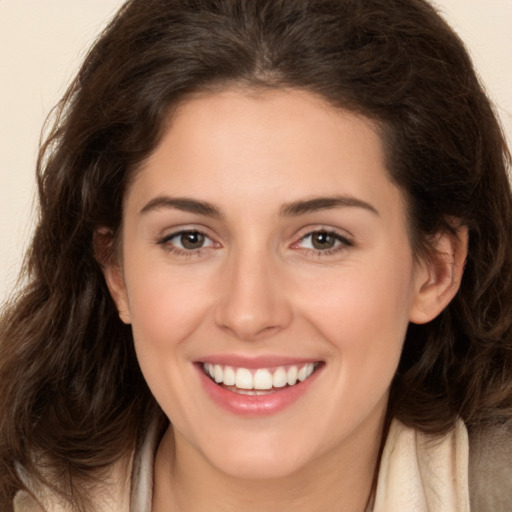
{"x": 264, "y": 242}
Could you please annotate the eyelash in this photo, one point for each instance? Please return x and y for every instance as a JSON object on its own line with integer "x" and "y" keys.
{"x": 168, "y": 246}
{"x": 342, "y": 243}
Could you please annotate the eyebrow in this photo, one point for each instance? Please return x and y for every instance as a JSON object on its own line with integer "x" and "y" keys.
{"x": 182, "y": 203}
{"x": 316, "y": 204}
{"x": 293, "y": 209}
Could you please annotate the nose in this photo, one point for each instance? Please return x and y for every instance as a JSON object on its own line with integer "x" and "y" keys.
{"x": 253, "y": 303}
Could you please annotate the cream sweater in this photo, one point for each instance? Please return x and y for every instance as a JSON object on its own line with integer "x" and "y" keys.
{"x": 418, "y": 473}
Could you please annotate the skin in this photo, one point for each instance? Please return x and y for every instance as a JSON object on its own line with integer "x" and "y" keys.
{"x": 258, "y": 286}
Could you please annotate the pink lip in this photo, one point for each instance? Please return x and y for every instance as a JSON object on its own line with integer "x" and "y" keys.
{"x": 256, "y": 405}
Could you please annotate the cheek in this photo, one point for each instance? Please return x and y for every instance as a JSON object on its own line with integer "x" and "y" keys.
{"x": 363, "y": 312}
{"x": 166, "y": 305}
{"x": 166, "y": 308}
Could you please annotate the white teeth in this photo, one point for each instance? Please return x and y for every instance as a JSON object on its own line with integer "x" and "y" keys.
{"x": 305, "y": 371}
{"x": 229, "y": 376}
{"x": 279, "y": 378}
{"x": 244, "y": 379}
{"x": 291, "y": 375}
{"x": 302, "y": 373}
{"x": 218, "y": 374}
{"x": 260, "y": 379}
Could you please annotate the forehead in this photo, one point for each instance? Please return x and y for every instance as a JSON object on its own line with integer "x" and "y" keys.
{"x": 283, "y": 144}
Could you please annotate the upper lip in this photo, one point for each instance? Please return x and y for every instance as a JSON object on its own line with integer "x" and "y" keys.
{"x": 251, "y": 362}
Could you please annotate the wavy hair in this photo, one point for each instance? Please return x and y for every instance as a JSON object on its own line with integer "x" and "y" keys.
{"x": 71, "y": 392}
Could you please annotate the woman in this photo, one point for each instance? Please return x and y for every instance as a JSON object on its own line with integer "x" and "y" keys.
{"x": 272, "y": 269}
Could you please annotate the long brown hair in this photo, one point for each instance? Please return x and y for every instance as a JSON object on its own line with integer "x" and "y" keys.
{"x": 71, "y": 392}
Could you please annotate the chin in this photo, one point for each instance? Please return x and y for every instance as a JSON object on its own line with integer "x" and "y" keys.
{"x": 258, "y": 460}
{"x": 248, "y": 467}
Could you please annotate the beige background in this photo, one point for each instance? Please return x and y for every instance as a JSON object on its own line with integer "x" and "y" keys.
{"x": 43, "y": 41}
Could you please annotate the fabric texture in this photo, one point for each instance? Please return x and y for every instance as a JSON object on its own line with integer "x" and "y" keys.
{"x": 418, "y": 473}
{"x": 423, "y": 474}
{"x": 490, "y": 470}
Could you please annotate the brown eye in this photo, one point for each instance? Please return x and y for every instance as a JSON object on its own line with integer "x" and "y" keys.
{"x": 323, "y": 240}
{"x": 191, "y": 240}
{"x": 187, "y": 242}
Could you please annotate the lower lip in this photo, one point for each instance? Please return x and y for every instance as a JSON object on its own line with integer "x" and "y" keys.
{"x": 256, "y": 405}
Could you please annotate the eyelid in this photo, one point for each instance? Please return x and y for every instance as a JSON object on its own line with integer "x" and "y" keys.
{"x": 164, "y": 241}
{"x": 174, "y": 234}
{"x": 344, "y": 240}
{"x": 171, "y": 231}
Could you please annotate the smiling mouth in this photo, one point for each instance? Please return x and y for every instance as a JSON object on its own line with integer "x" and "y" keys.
{"x": 258, "y": 381}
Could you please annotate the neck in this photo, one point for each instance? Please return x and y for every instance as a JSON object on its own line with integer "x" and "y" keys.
{"x": 339, "y": 481}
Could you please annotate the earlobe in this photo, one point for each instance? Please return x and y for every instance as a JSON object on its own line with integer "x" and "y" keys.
{"x": 115, "y": 283}
{"x": 439, "y": 276}
{"x": 112, "y": 271}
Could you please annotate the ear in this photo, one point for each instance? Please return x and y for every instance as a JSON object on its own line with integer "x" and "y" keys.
{"x": 438, "y": 276}
{"x": 112, "y": 271}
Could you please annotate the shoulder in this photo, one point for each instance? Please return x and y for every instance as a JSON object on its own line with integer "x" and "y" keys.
{"x": 490, "y": 469}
